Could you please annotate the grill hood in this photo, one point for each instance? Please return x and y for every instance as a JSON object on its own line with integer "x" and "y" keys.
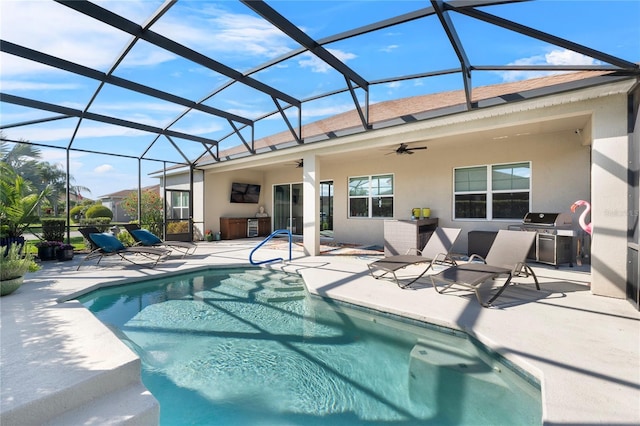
{"x": 548, "y": 219}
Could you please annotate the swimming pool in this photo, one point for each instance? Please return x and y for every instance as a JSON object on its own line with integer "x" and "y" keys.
{"x": 249, "y": 346}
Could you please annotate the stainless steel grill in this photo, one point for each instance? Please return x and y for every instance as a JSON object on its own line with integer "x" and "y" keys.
{"x": 554, "y": 239}
{"x": 549, "y": 223}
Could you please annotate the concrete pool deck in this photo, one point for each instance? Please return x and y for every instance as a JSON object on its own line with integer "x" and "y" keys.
{"x": 60, "y": 365}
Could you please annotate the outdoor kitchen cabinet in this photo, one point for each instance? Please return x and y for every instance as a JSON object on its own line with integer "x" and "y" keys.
{"x": 232, "y": 228}
{"x": 403, "y": 235}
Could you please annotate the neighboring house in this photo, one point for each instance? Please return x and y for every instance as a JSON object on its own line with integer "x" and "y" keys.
{"x": 558, "y": 139}
{"x": 114, "y": 200}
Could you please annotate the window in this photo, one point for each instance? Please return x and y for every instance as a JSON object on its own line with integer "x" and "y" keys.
{"x": 179, "y": 208}
{"x": 500, "y": 191}
{"x": 371, "y": 196}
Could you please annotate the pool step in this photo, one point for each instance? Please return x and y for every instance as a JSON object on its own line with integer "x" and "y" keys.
{"x": 106, "y": 397}
{"x": 131, "y": 406}
{"x": 266, "y": 286}
{"x": 101, "y": 384}
{"x": 457, "y": 372}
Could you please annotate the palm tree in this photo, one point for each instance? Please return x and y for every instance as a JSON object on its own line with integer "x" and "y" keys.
{"x": 56, "y": 179}
{"x": 18, "y": 202}
{"x": 21, "y": 158}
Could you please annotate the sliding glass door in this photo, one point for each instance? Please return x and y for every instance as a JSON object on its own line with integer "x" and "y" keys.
{"x": 326, "y": 209}
{"x": 287, "y": 207}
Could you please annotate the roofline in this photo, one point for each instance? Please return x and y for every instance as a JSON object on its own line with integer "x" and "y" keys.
{"x": 508, "y": 100}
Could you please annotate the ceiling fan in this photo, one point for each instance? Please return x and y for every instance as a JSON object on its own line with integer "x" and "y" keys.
{"x": 299, "y": 164}
{"x": 404, "y": 149}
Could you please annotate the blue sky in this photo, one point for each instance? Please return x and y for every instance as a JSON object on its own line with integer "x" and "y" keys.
{"x": 232, "y": 34}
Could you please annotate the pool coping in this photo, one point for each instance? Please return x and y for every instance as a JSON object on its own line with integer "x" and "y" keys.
{"x": 582, "y": 380}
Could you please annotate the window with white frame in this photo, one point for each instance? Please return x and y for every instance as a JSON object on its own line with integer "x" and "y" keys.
{"x": 371, "y": 196}
{"x": 179, "y": 205}
{"x": 498, "y": 191}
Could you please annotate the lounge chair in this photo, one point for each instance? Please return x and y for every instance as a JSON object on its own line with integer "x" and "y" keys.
{"x": 146, "y": 238}
{"x": 436, "y": 251}
{"x": 103, "y": 245}
{"x": 506, "y": 257}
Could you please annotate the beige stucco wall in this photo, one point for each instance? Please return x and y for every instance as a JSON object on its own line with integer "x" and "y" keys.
{"x": 561, "y": 160}
{"x": 218, "y": 193}
{"x": 610, "y": 200}
{"x": 560, "y": 175}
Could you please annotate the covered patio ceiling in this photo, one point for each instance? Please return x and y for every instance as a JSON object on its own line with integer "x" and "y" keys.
{"x": 219, "y": 107}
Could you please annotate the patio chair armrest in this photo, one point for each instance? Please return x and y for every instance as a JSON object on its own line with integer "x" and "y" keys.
{"x": 413, "y": 251}
{"x": 443, "y": 259}
{"x": 477, "y": 256}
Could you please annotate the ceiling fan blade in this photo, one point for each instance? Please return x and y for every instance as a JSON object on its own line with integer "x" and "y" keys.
{"x": 417, "y": 147}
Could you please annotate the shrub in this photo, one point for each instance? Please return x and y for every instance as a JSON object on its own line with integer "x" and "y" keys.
{"x": 102, "y": 223}
{"x": 98, "y": 210}
{"x": 151, "y": 204}
{"x": 15, "y": 264}
{"x": 76, "y": 213}
{"x": 178, "y": 227}
{"x": 126, "y": 239}
{"x": 53, "y": 229}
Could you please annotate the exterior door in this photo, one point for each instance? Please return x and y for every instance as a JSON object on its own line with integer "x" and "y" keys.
{"x": 178, "y": 225}
{"x": 326, "y": 209}
{"x": 287, "y": 207}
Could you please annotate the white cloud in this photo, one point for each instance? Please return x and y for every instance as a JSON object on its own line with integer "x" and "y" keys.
{"x": 15, "y": 85}
{"x": 215, "y": 29}
{"x": 389, "y": 48}
{"x": 59, "y": 155}
{"x": 198, "y": 129}
{"x": 554, "y": 57}
{"x": 394, "y": 84}
{"x": 326, "y": 111}
{"x": 64, "y": 133}
{"x": 57, "y": 30}
{"x": 318, "y": 65}
{"x": 104, "y": 168}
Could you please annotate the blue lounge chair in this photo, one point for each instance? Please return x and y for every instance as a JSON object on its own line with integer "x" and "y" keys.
{"x": 103, "y": 245}
{"x": 144, "y": 237}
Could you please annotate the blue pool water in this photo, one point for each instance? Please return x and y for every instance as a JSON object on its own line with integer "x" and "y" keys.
{"x": 249, "y": 347}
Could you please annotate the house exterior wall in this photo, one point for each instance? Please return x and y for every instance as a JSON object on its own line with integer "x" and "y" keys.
{"x": 119, "y": 215}
{"x": 610, "y": 199}
{"x": 218, "y": 193}
{"x": 589, "y": 162}
{"x": 560, "y": 175}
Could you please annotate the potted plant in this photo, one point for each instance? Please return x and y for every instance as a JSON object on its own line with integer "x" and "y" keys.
{"x": 47, "y": 249}
{"x": 64, "y": 252}
{"x": 208, "y": 235}
{"x": 13, "y": 266}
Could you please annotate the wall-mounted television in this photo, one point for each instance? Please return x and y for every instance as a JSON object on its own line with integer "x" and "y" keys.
{"x": 245, "y": 193}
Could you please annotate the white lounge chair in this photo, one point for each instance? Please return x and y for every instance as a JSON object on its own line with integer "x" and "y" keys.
{"x": 506, "y": 257}
{"x": 436, "y": 251}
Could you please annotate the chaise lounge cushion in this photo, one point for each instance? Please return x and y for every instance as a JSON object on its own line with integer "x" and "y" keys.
{"x": 108, "y": 243}
{"x": 145, "y": 237}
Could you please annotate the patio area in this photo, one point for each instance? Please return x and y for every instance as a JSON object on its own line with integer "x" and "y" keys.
{"x": 60, "y": 365}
